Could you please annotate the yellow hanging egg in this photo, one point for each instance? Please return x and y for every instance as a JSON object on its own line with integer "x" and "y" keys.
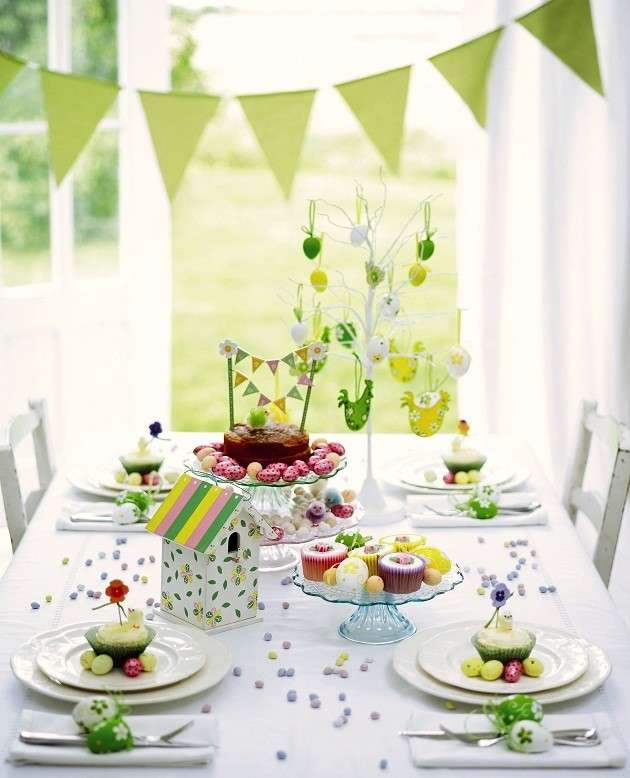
{"x": 417, "y": 274}
{"x": 319, "y": 280}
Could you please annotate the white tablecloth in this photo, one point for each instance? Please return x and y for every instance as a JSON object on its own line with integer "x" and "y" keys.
{"x": 254, "y": 723}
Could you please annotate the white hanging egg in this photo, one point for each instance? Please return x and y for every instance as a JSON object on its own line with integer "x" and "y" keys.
{"x": 90, "y": 712}
{"x": 529, "y": 737}
{"x": 352, "y": 573}
{"x": 358, "y": 234}
{"x": 390, "y": 306}
{"x": 377, "y": 349}
{"x": 299, "y": 332}
{"x": 457, "y": 361}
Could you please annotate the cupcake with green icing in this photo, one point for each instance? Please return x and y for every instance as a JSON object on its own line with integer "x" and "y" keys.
{"x": 143, "y": 459}
{"x": 499, "y": 638}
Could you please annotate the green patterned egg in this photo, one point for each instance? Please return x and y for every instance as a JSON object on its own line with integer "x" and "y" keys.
{"x": 517, "y": 707}
{"x": 110, "y": 736}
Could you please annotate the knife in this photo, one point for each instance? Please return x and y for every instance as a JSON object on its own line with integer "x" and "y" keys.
{"x": 440, "y": 734}
{"x": 51, "y": 739}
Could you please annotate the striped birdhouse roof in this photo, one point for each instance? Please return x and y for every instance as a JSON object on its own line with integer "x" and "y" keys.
{"x": 194, "y": 512}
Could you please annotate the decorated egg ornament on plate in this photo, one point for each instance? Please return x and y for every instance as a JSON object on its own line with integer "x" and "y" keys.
{"x": 529, "y": 737}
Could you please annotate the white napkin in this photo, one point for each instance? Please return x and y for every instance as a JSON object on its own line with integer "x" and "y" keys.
{"x": 420, "y": 516}
{"x": 72, "y": 508}
{"x": 204, "y": 729}
{"x": 427, "y": 752}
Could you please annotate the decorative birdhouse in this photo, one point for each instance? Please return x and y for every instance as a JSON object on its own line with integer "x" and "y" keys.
{"x": 210, "y": 537}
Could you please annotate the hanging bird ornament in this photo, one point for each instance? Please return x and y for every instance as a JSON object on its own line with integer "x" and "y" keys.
{"x": 356, "y": 412}
{"x": 426, "y": 414}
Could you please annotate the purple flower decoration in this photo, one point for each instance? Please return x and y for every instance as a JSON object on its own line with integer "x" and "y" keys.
{"x": 155, "y": 429}
{"x": 500, "y": 595}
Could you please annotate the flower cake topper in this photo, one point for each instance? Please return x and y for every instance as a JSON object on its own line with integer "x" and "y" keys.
{"x": 116, "y": 590}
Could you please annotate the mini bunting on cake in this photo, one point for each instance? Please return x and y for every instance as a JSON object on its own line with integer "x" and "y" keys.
{"x": 302, "y": 353}
{"x": 240, "y": 355}
{"x": 250, "y": 389}
{"x": 289, "y": 360}
{"x": 295, "y": 393}
{"x": 281, "y": 403}
{"x": 256, "y": 363}
{"x": 263, "y": 399}
{"x": 272, "y": 364}
{"x": 239, "y": 378}
{"x": 304, "y": 380}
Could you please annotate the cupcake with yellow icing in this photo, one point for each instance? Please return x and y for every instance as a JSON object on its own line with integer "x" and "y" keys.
{"x": 408, "y": 541}
{"x": 370, "y": 554}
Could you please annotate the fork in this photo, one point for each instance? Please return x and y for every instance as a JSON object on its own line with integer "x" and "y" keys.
{"x": 533, "y": 506}
{"x": 154, "y": 741}
{"x": 589, "y": 739}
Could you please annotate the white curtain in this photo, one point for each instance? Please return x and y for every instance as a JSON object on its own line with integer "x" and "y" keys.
{"x": 544, "y": 238}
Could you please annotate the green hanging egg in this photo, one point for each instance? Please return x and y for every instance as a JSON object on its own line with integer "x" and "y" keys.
{"x": 346, "y": 332}
{"x": 311, "y": 246}
{"x": 374, "y": 275}
{"x": 426, "y": 248}
{"x": 110, "y": 736}
{"x": 517, "y": 707}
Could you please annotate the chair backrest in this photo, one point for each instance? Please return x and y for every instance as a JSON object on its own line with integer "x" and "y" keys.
{"x": 19, "y": 510}
{"x": 605, "y": 515}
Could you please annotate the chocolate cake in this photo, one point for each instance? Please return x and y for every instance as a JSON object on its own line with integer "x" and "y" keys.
{"x": 272, "y": 443}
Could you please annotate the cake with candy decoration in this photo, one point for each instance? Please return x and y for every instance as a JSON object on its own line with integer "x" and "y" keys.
{"x": 273, "y": 442}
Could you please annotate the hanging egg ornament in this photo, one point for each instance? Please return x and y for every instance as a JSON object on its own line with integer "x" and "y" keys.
{"x": 390, "y": 306}
{"x": 299, "y": 332}
{"x": 377, "y": 349}
{"x": 457, "y": 361}
{"x": 358, "y": 234}
{"x": 319, "y": 280}
{"x": 529, "y": 737}
{"x": 417, "y": 274}
{"x": 346, "y": 332}
{"x": 311, "y": 246}
{"x": 425, "y": 248}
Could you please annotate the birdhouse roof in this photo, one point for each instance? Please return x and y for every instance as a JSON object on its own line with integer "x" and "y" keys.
{"x": 193, "y": 512}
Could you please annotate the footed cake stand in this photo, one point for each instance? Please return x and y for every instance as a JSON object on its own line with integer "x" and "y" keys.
{"x": 377, "y": 619}
{"x": 275, "y": 501}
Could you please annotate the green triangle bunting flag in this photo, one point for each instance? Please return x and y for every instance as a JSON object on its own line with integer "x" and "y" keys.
{"x": 279, "y": 123}
{"x": 289, "y": 360}
{"x": 251, "y": 388}
{"x": 295, "y": 393}
{"x": 9, "y": 68}
{"x": 565, "y": 27}
{"x": 379, "y": 103}
{"x": 240, "y": 355}
{"x": 74, "y": 106}
{"x": 176, "y": 123}
{"x": 467, "y": 67}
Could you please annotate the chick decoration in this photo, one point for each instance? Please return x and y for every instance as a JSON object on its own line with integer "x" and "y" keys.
{"x": 426, "y": 415}
{"x": 356, "y": 412}
{"x": 403, "y": 369}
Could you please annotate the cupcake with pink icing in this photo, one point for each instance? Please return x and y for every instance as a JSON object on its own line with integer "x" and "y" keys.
{"x": 319, "y": 556}
{"x": 401, "y": 572}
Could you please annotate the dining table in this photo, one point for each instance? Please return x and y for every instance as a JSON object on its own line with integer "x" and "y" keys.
{"x": 255, "y": 724}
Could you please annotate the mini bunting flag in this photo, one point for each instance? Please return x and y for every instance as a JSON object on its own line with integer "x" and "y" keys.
{"x": 176, "y": 122}
{"x": 295, "y": 393}
{"x": 240, "y": 355}
{"x": 565, "y": 27}
{"x": 74, "y": 106}
{"x": 239, "y": 378}
{"x": 281, "y": 403}
{"x": 263, "y": 400}
{"x": 304, "y": 380}
{"x": 466, "y": 68}
{"x": 9, "y": 68}
{"x": 256, "y": 363}
{"x": 273, "y": 365}
{"x": 302, "y": 353}
{"x": 379, "y": 103}
{"x": 279, "y": 123}
{"x": 289, "y": 360}
{"x": 251, "y": 388}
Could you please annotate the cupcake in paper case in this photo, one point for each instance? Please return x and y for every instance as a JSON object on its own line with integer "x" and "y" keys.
{"x": 317, "y": 557}
{"x": 370, "y": 554}
{"x": 503, "y": 640}
{"x": 401, "y": 572}
{"x": 408, "y": 541}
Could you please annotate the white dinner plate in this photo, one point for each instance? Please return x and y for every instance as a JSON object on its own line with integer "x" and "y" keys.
{"x": 105, "y": 477}
{"x": 405, "y": 663}
{"x": 81, "y": 482}
{"x": 564, "y": 658}
{"x": 179, "y": 656}
{"x": 215, "y": 668}
{"x": 412, "y": 473}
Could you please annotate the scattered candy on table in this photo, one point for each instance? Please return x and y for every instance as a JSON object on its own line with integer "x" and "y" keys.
{"x": 267, "y": 636}
{"x": 272, "y": 654}
{"x": 291, "y": 695}
{"x": 259, "y": 684}
{"x": 281, "y": 755}
{"x": 237, "y": 671}
{"x": 375, "y": 715}
{"x": 206, "y": 708}
{"x": 34, "y": 605}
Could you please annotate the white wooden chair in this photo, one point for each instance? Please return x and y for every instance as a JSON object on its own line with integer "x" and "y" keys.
{"x": 18, "y": 510}
{"x": 606, "y": 516}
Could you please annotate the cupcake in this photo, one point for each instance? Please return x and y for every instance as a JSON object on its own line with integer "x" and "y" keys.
{"x": 406, "y": 542}
{"x": 401, "y": 572}
{"x": 503, "y": 641}
{"x": 143, "y": 460}
{"x": 318, "y": 557}
{"x": 370, "y": 554}
{"x": 121, "y": 640}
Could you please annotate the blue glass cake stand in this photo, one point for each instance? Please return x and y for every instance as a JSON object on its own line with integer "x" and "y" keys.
{"x": 377, "y": 619}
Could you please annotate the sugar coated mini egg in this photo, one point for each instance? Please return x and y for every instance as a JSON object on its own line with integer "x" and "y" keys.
{"x": 533, "y": 667}
{"x": 352, "y": 574}
{"x": 430, "y": 476}
{"x": 208, "y": 462}
{"x": 86, "y": 659}
{"x": 102, "y": 664}
{"x": 148, "y": 662}
{"x": 203, "y": 452}
{"x": 432, "y": 576}
{"x": 461, "y": 477}
{"x": 120, "y": 476}
{"x": 134, "y": 479}
{"x": 374, "y": 584}
{"x": 472, "y": 667}
{"x": 491, "y": 670}
{"x": 512, "y": 671}
{"x": 529, "y": 737}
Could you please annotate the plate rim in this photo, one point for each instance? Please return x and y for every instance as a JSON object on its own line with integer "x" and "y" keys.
{"x": 444, "y": 692}
{"x": 527, "y": 625}
{"x": 80, "y": 625}
{"x": 451, "y": 487}
{"x": 216, "y": 667}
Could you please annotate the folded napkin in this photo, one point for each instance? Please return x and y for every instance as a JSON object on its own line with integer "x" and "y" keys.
{"x": 427, "y": 752}
{"x": 420, "y": 516}
{"x": 204, "y": 729}
{"x": 72, "y": 508}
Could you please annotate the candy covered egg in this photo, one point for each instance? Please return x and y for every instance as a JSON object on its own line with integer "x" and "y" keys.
{"x": 90, "y": 712}
{"x": 529, "y": 737}
{"x": 352, "y": 574}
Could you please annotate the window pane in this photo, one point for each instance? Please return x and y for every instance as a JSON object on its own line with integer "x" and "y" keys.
{"x": 94, "y": 38}
{"x": 23, "y": 33}
{"x": 24, "y": 216}
{"x": 96, "y": 207}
